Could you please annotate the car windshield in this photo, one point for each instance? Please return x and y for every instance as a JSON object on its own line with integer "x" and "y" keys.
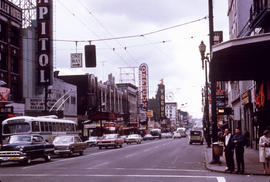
{"x": 19, "y": 139}
{"x": 195, "y": 133}
{"x": 132, "y": 136}
{"x": 110, "y": 136}
{"x": 93, "y": 138}
{"x": 63, "y": 140}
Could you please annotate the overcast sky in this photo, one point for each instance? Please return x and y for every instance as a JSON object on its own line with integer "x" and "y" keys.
{"x": 171, "y": 55}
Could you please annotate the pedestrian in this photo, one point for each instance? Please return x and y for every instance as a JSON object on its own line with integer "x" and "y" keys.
{"x": 239, "y": 146}
{"x": 229, "y": 150}
{"x": 264, "y": 145}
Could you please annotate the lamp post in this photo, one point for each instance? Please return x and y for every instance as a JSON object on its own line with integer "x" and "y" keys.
{"x": 205, "y": 60}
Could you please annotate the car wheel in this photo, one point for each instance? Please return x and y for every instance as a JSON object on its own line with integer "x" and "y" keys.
{"x": 115, "y": 146}
{"x": 81, "y": 152}
{"x": 190, "y": 143}
{"x": 27, "y": 161}
{"x": 71, "y": 153}
{"x": 121, "y": 146}
{"x": 100, "y": 148}
{"x": 48, "y": 157}
{"x": 201, "y": 143}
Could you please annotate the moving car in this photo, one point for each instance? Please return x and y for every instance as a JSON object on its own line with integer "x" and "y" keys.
{"x": 176, "y": 135}
{"x": 110, "y": 140}
{"x": 68, "y": 145}
{"x": 92, "y": 141}
{"x": 196, "y": 136}
{"x": 148, "y": 137}
{"x": 25, "y": 148}
{"x": 134, "y": 138}
{"x": 156, "y": 133}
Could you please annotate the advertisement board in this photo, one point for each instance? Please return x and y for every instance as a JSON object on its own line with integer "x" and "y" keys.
{"x": 4, "y": 94}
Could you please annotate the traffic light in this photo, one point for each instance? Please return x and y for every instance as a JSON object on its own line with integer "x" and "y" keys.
{"x": 90, "y": 55}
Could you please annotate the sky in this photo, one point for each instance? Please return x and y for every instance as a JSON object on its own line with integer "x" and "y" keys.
{"x": 171, "y": 55}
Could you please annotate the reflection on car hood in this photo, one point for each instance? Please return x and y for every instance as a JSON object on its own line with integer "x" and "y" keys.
{"x": 14, "y": 147}
{"x": 62, "y": 144}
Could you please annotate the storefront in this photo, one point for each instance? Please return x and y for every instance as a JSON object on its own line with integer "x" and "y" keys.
{"x": 246, "y": 59}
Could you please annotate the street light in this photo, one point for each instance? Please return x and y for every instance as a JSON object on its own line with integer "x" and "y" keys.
{"x": 205, "y": 60}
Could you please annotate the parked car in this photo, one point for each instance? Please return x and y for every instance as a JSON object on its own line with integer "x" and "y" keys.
{"x": 124, "y": 137}
{"x": 134, "y": 138}
{"x": 196, "y": 136}
{"x": 176, "y": 135}
{"x": 25, "y": 148}
{"x": 148, "y": 137}
{"x": 68, "y": 145}
{"x": 110, "y": 140}
{"x": 92, "y": 141}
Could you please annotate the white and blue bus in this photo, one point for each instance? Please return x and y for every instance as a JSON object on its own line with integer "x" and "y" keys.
{"x": 47, "y": 126}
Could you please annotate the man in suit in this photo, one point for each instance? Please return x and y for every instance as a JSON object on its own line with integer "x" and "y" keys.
{"x": 229, "y": 150}
{"x": 239, "y": 144}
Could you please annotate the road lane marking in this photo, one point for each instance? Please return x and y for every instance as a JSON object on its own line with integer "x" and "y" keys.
{"x": 218, "y": 178}
{"x": 100, "y": 165}
{"x": 92, "y": 154}
{"x": 153, "y": 169}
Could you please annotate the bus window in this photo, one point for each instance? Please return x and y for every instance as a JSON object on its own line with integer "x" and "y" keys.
{"x": 46, "y": 126}
{"x": 50, "y": 126}
{"x": 54, "y": 127}
{"x": 16, "y": 128}
{"x": 42, "y": 126}
{"x": 35, "y": 126}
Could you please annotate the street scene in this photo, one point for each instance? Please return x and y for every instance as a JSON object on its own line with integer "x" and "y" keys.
{"x": 142, "y": 90}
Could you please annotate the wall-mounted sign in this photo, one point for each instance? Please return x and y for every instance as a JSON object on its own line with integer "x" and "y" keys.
{"x": 245, "y": 97}
{"x": 149, "y": 113}
{"x": 76, "y": 60}
{"x": 143, "y": 86}
{"x": 4, "y": 94}
{"x": 37, "y": 104}
{"x": 44, "y": 37}
{"x": 11, "y": 10}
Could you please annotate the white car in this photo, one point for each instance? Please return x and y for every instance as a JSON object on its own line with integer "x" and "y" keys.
{"x": 92, "y": 141}
{"x": 176, "y": 135}
{"x": 134, "y": 138}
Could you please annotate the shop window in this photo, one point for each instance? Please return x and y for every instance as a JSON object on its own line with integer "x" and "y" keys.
{"x": 15, "y": 64}
{"x": 3, "y": 61}
{"x": 14, "y": 36}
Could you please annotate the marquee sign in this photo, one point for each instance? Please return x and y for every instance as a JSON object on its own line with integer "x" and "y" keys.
{"x": 11, "y": 10}
{"x": 143, "y": 86}
{"x": 44, "y": 59}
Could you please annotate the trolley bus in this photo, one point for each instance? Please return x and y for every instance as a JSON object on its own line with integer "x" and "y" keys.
{"x": 47, "y": 126}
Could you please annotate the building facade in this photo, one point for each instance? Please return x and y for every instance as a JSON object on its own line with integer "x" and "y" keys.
{"x": 171, "y": 113}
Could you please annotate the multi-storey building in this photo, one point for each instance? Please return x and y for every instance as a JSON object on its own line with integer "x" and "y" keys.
{"x": 11, "y": 73}
{"x": 171, "y": 112}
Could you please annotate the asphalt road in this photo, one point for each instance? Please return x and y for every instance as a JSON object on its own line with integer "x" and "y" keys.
{"x": 154, "y": 161}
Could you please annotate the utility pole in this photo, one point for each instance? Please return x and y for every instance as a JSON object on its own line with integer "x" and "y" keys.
{"x": 215, "y": 158}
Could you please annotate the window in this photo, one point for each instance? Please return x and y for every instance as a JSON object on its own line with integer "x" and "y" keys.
{"x": 73, "y": 100}
{"x": 35, "y": 126}
{"x": 16, "y": 128}
{"x": 3, "y": 30}
{"x": 42, "y": 126}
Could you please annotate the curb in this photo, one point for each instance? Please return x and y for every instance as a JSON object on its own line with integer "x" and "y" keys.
{"x": 218, "y": 171}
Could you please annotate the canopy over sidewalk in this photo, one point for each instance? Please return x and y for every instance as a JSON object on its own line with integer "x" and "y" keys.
{"x": 241, "y": 59}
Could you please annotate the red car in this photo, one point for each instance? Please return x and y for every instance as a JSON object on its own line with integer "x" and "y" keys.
{"x": 110, "y": 140}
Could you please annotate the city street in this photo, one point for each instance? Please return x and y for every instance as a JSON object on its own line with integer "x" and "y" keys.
{"x": 158, "y": 160}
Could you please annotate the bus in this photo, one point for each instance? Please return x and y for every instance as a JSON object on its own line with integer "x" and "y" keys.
{"x": 47, "y": 126}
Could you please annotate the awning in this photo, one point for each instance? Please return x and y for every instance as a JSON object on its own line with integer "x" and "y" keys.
{"x": 241, "y": 59}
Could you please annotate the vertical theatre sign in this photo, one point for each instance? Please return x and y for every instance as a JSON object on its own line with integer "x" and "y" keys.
{"x": 162, "y": 100}
{"x": 143, "y": 86}
{"x": 44, "y": 33}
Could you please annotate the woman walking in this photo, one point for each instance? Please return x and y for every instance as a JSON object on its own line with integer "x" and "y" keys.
{"x": 264, "y": 145}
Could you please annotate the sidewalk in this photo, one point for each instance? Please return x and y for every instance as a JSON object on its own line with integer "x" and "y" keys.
{"x": 252, "y": 165}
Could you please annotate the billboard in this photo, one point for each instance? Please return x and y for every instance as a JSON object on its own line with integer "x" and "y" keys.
{"x": 44, "y": 38}
{"x": 143, "y": 86}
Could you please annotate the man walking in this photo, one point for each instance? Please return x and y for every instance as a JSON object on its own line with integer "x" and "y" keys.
{"x": 229, "y": 150}
{"x": 239, "y": 144}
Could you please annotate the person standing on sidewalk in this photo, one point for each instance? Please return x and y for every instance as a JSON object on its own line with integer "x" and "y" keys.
{"x": 229, "y": 150}
{"x": 239, "y": 144}
{"x": 263, "y": 143}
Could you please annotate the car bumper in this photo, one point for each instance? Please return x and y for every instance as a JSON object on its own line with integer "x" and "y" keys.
{"x": 67, "y": 151}
{"x": 12, "y": 158}
{"x": 106, "y": 144}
